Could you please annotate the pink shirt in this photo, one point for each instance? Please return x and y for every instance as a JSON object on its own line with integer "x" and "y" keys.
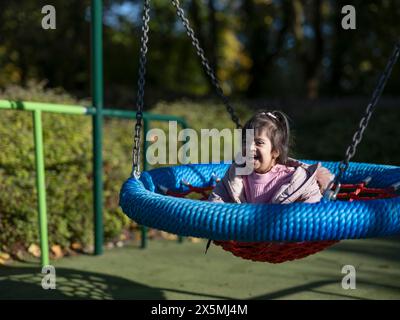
{"x": 261, "y": 187}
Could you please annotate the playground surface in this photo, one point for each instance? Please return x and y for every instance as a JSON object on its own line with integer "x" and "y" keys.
{"x": 169, "y": 270}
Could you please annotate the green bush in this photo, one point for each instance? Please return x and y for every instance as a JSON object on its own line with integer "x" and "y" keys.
{"x": 68, "y": 163}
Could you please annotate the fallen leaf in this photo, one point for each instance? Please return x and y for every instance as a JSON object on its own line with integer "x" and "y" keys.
{"x": 4, "y": 256}
{"x": 57, "y": 251}
{"x": 169, "y": 236}
{"x": 76, "y": 246}
{"x": 34, "y": 250}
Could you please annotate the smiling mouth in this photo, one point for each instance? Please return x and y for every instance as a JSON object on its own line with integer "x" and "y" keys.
{"x": 253, "y": 158}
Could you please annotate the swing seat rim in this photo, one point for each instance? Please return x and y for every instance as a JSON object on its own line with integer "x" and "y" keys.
{"x": 294, "y": 222}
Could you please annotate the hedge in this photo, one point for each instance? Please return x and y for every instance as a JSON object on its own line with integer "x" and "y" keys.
{"x": 68, "y": 163}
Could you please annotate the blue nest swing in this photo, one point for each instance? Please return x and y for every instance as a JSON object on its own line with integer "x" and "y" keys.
{"x": 248, "y": 225}
{"x": 142, "y": 201}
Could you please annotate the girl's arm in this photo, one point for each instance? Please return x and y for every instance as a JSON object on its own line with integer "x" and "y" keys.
{"x": 313, "y": 194}
{"x": 228, "y": 189}
{"x": 220, "y": 194}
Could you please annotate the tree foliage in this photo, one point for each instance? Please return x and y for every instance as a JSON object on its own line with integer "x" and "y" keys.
{"x": 259, "y": 48}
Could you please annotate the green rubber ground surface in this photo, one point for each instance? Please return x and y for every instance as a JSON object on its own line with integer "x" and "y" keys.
{"x": 167, "y": 270}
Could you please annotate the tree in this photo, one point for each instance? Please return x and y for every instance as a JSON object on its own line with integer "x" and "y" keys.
{"x": 310, "y": 46}
{"x": 265, "y": 29}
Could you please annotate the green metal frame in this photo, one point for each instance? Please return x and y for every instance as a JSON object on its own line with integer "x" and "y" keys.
{"x": 97, "y": 112}
{"x": 97, "y": 100}
{"x": 37, "y": 108}
{"x": 41, "y": 186}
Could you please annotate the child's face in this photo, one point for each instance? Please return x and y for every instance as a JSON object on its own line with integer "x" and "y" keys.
{"x": 261, "y": 148}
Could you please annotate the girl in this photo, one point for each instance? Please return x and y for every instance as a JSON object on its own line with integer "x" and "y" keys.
{"x": 275, "y": 177}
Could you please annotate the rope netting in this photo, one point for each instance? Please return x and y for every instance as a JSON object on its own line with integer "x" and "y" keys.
{"x": 278, "y": 252}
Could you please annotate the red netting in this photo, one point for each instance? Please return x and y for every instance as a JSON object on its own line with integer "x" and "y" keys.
{"x": 278, "y": 252}
{"x": 274, "y": 252}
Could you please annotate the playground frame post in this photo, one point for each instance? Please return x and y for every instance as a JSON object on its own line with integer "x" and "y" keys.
{"x": 97, "y": 96}
{"x": 41, "y": 187}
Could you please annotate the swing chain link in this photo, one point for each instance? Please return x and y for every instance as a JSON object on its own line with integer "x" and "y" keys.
{"x": 210, "y": 72}
{"x": 357, "y": 137}
{"x": 140, "y": 95}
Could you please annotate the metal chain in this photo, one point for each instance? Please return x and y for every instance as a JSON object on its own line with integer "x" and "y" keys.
{"x": 140, "y": 95}
{"x": 357, "y": 137}
{"x": 210, "y": 72}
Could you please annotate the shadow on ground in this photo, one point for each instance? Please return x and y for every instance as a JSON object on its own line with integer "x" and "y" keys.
{"x": 377, "y": 262}
{"x": 385, "y": 249}
{"x": 25, "y": 283}
{"x": 317, "y": 287}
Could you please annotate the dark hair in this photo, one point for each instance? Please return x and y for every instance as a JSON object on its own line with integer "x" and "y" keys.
{"x": 276, "y": 125}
